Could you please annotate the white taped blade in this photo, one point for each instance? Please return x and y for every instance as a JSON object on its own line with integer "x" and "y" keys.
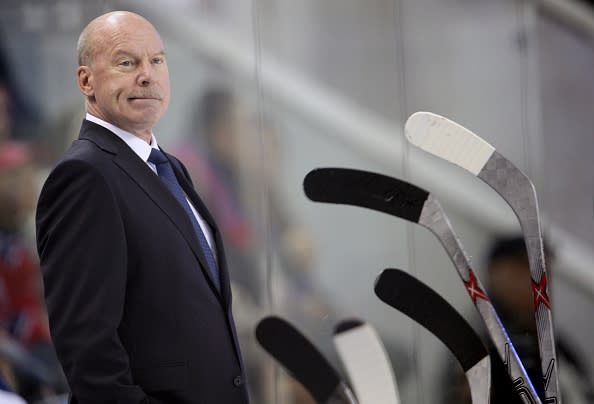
{"x": 447, "y": 139}
{"x": 479, "y": 381}
{"x": 367, "y": 365}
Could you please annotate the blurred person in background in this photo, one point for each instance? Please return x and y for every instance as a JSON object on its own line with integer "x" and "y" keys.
{"x": 236, "y": 159}
{"x": 22, "y": 312}
{"x": 134, "y": 270}
{"x": 509, "y": 287}
{"x": 210, "y": 155}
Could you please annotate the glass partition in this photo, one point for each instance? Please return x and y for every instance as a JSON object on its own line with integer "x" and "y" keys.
{"x": 264, "y": 91}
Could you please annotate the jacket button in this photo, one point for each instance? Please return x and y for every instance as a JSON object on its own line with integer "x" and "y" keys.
{"x": 238, "y": 381}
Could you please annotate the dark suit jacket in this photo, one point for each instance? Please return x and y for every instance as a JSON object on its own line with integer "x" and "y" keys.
{"x": 133, "y": 313}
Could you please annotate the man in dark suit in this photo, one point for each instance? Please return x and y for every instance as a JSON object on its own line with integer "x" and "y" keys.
{"x": 135, "y": 279}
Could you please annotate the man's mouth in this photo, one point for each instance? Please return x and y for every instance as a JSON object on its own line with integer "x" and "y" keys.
{"x": 144, "y": 98}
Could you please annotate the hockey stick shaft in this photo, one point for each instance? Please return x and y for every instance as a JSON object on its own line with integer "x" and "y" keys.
{"x": 434, "y": 218}
{"x": 518, "y": 191}
{"x": 452, "y": 142}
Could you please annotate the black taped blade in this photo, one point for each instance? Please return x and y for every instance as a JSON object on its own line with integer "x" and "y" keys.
{"x": 418, "y": 301}
{"x": 299, "y": 356}
{"x": 365, "y": 189}
{"x": 347, "y": 325}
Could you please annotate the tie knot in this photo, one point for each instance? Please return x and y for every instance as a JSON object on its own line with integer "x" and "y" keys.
{"x": 157, "y": 157}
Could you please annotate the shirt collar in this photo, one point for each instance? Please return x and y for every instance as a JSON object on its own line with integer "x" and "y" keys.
{"x": 140, "y": 147}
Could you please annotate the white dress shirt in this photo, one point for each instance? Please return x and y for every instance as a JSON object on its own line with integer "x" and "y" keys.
{"x": 143, "y": 150}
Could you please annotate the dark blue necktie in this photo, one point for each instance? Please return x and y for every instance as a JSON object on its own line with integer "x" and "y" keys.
{"x": 165, "y": 172}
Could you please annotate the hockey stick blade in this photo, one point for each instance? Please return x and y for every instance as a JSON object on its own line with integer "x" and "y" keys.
{"x": 364, "y": 189}
{"x": 404, "y": 200}
{"x": 303, "y": 361}
{"x": 453, "y": 142}
{"x": 422, "y": 304}
{"x": 366, "y": 362}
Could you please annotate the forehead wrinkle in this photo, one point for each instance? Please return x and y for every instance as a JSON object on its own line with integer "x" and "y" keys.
{"x": 133, "y": 43}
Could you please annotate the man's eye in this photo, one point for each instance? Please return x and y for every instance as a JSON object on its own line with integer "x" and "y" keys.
{"x": 158, "y": 61}
{"x": 126, "y": 63}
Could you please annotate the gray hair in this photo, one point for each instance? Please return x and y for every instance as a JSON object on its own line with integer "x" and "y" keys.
{"x": 84, "y": 49}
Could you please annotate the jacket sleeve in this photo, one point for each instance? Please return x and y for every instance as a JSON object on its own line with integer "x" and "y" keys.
{"x": 82, "y": 249}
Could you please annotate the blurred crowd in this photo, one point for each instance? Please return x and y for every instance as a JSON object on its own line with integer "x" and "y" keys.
{"x": 234, "y": 157}
{"x": 29, "y": 369}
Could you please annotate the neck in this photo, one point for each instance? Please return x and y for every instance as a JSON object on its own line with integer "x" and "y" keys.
{"x": 145, "y": 134}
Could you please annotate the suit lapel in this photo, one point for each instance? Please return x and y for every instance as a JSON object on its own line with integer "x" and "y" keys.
{"x": 151, "y": 184}
{"x": 183, "y": 180}
{"x": 203, "y": 210}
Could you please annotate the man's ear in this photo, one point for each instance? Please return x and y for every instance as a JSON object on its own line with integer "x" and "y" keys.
{"x": 85, "y": 80}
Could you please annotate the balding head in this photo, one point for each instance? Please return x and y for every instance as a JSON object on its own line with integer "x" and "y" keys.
{"x": 92, "y": 38}
{"x": 123, "y": 72}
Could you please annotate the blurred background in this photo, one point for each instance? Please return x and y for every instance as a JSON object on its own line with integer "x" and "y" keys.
{"x": 263, "y": 91}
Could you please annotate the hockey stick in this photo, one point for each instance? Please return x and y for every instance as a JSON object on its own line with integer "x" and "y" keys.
{"x": 301, "y": 358}
{"x": 366, "y": 362}
{"x": 456, "y": 144}
{"x": 422, "y": 304}
{"x": 404, "y": 200}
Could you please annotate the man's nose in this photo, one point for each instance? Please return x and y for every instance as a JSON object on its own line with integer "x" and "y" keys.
{"x": 144, "y": 74}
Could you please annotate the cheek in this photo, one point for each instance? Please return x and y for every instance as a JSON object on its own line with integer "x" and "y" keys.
{"x": 166, "y": 89}
{"x": 104, "y": 94}
{"x": 110, "y": 90}
{"x": 163, "y": 80}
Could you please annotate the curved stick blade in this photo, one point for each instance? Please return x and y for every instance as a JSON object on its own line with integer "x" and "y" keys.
{"x": 446, "y": 139}
{"x": 366, "y": 361}
{"x": 364, "y": 189}
{"x": 299, "y": 356}
{"x": 422, "y": 304}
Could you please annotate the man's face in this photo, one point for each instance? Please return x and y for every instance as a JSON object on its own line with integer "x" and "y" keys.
{"x": 128, "y": 79}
